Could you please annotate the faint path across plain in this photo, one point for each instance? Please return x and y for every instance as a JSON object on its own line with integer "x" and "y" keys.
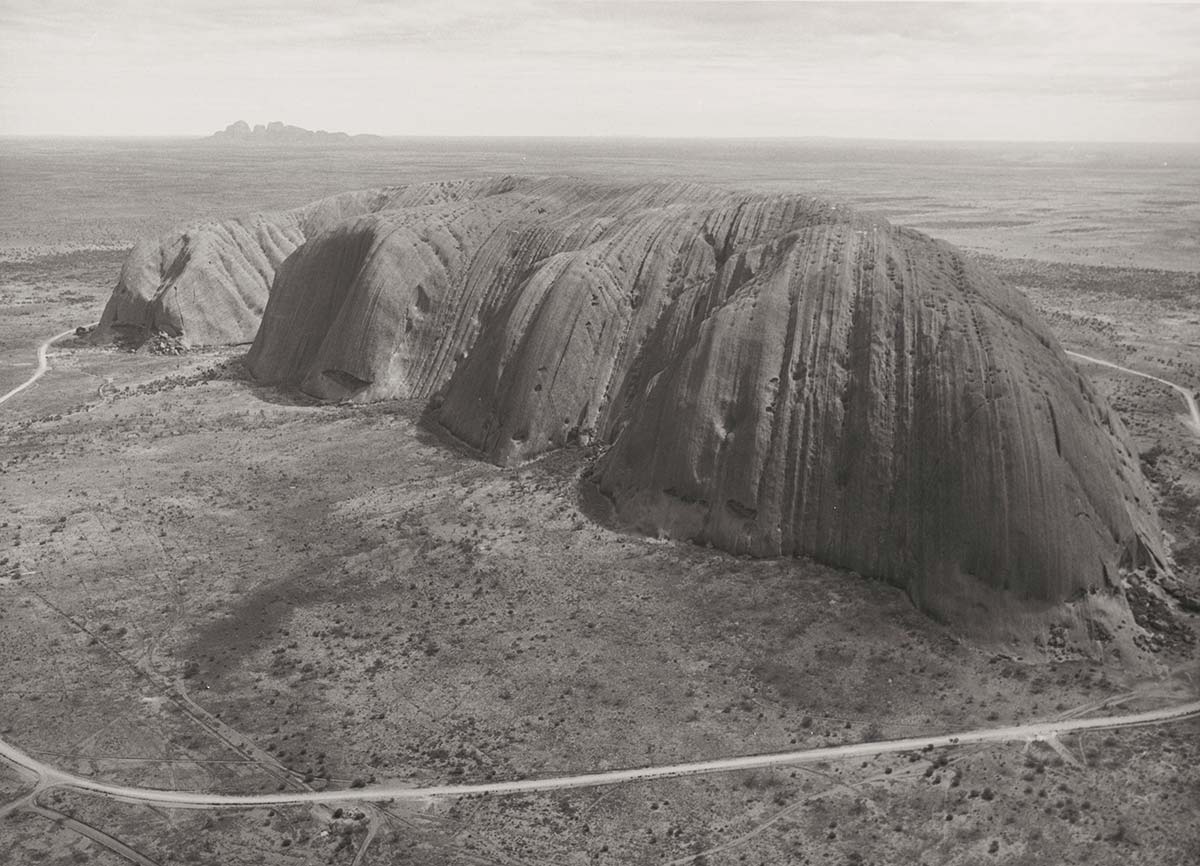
{"x": 51, "y": 777}
{"x": 46, "y": 776}
{"x": 1189, "y": 399}
{"x": 97, "y": 835}
{"x": 42, "y": 367}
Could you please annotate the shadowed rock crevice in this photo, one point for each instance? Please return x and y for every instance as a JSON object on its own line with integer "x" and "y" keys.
{"x": 772, "y": 375}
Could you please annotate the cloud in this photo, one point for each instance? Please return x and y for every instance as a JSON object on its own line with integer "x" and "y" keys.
{"x": 593, "y": 67}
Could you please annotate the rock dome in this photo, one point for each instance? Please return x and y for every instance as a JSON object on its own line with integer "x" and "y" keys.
{"x": 769, "y": 374}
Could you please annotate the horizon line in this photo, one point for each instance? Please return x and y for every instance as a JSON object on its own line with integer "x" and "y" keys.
{"x": 595, "y": 138}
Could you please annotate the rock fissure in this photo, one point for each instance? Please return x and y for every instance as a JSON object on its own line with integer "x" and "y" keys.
{"x": 771, "y": 375}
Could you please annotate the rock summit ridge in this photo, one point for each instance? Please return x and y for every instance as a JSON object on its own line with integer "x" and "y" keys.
{"x": 770, "y": 374}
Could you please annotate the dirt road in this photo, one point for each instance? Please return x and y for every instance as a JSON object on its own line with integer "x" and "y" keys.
{"x": 1189, "y": 399}
{"x": 45, "y": 776}
{"x": 51, "y": 777}
{"x": 42, "y": 367}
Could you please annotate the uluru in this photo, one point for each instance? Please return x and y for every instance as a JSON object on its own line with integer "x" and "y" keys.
{"x": 769, "y": 374}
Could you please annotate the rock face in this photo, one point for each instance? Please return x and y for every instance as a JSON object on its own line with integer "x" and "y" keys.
{"x": 773, "y": 375}
{"x": 208, "y": 284}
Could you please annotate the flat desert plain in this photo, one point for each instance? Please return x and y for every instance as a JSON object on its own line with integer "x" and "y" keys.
{"x": 210, "y": 585}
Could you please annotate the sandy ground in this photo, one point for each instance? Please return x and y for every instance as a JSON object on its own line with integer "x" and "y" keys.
{"x": 343, "y": 594}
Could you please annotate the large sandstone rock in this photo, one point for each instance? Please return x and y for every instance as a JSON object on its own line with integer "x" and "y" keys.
{"x": 773, "y": 375}
{"x": 208, "y": 284}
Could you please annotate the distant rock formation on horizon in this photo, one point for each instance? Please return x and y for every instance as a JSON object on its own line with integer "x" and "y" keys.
{"x": 769, "y": 374}
{"x": 277, "y": 132}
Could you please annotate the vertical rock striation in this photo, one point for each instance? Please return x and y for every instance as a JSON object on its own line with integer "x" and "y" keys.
{"x": 772, "y": 375}
{"x": 208, "y": 284}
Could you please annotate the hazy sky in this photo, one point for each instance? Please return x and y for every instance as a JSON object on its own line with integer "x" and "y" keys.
{"x": 888, "y": 70}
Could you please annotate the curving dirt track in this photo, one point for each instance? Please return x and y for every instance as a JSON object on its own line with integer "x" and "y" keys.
{"x": 1189, "y": 399}
{"x": 45, "y": 776}
{"x": 43, "y": 364}
{"x": 51, "y": 777}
